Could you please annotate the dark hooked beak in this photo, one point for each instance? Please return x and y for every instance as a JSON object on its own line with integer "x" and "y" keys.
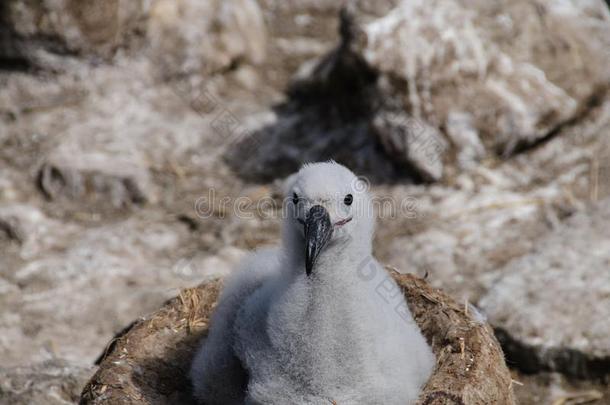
{"x": 318, "y": 230}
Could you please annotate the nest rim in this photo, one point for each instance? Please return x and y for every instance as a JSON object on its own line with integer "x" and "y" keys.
{"x": 148, "y": 362}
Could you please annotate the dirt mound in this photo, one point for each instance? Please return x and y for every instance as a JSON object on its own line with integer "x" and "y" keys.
{"x": 148, "y": 363}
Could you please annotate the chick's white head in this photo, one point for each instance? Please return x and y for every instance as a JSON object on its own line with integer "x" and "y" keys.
{"x": 328, "y": 208}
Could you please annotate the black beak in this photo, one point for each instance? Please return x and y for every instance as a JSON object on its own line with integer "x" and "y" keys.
{"x": 318, "y": 230}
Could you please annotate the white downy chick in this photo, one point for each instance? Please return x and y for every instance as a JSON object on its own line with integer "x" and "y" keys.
{"x": 316, "y": 320}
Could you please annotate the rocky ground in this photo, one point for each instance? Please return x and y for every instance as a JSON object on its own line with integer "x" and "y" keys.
{"x": 129, "y": 129}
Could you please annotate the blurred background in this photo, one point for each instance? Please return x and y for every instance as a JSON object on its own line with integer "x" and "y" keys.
{"x": 130, "y": 128}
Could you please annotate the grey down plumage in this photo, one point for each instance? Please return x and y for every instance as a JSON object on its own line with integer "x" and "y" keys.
{"x": 316, "y": 319}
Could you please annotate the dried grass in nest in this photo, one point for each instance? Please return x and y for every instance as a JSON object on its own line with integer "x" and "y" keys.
{"x": 149, "y": 362}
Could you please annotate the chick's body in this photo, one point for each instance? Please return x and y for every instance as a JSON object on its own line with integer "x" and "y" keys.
{"x": 341, "y": 333}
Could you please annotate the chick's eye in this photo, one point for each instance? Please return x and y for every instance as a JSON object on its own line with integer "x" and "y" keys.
{"x": 348, "y": 200}
{"x": 295, "y": 198}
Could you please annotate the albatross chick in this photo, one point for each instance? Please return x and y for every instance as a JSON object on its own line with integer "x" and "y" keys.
{"x": 305, "y": 323}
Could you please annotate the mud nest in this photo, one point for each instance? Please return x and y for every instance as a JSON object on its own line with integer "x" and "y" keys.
{"x": 148, "y": 363}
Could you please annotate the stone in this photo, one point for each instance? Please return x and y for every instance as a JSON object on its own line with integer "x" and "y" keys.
{"x": 428, "y": 254}
{"x": 550, "y": 305}
{"x": 68, "y": 26}
{"x": 95, "y": 178}
{"x": 68, "y": 275}
{"x": 439, "y": 86}
{"x": 205, "y": 37}
{"x": 449, "y": 55}
{"x": 32, "y": 230}
{"x": 181, "y": 37}
{"x": 462, "y": 133}
{"x": 54, "y": 382}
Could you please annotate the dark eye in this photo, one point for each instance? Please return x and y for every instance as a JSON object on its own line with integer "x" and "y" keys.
{"x": 348, "y": 200}
{"x": 295, "y": 198}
